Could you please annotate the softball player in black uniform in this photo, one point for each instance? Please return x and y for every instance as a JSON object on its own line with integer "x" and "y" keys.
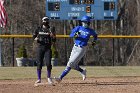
{"x": 45, "y": 37}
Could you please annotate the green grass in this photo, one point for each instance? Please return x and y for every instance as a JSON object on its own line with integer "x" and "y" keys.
{"x": 7, "y": 73}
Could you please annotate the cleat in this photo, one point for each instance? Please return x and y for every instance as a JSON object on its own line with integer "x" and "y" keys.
{"x": 37, "y": 82}
{"x": 58, "y": 80}
{"x": 50, "y": 82}
{"x": 84, "y": 74}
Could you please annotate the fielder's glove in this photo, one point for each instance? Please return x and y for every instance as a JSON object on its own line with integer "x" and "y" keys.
{"x": 77, "y": 34}
{"x": 93, "y": 43}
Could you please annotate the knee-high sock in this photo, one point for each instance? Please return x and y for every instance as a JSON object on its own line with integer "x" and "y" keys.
{"x": 65, "y": 72}
{"x": 39, "y": 74}
{"x": 49, "y": 68}
{"x": 48, "y": 73}
{"x": 79, "y": 69}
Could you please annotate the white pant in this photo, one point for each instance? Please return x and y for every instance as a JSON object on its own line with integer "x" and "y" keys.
{"x": 76, "y": 54}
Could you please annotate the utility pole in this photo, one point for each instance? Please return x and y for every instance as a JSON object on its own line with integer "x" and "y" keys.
{"x": 0, "y": 49}
{"x": 0, "y": 53}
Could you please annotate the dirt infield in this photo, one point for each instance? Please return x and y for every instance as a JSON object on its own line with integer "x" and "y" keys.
{"x": 74, "y": 85}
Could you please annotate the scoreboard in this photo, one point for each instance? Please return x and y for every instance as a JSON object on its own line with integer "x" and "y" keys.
{"x": 76, "y": 9}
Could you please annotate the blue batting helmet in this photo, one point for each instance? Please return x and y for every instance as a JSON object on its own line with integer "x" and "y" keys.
{"x": 85, "y": 18}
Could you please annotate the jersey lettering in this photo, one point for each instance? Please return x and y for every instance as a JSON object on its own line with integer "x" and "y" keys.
{"x": 43, "y": 33}
{"x": 84, "y": 33}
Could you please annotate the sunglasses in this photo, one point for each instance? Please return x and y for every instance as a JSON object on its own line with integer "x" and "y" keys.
{"x": 46, "y": 20}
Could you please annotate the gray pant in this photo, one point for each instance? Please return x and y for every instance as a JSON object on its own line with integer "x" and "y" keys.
{"x": 76, "y": 55}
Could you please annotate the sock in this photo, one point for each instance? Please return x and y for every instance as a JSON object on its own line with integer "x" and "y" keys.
{"x": 80, "y": 69}
{"x": 65, "y": 72}
{"x": 49, "y": 68}
{"x": 48, "y": 73}
{"x": 39, "y": 74}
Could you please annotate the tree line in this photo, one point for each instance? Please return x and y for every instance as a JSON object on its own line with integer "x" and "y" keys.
{"x": 24, "y": 17}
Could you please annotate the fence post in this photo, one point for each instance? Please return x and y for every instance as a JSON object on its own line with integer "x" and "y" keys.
{"x": 13, "y": 54}
{"x": 113, "y": 52}
{"x": 0, "y": 52}
{"x": 65, "y": 33}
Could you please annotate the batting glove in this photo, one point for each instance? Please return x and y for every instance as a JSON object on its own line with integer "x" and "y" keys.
{"x": 93, "y": 43}
{"x": 77, "y": 34}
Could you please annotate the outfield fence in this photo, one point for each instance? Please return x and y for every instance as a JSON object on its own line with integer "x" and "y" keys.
{"x": 65, "y": 40}
{"x": 66, "y": 36}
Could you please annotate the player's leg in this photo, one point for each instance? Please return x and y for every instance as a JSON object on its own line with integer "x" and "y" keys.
{"x": 82, "y": 71}
{"x": 77, "y": 67}
{"x": 65, "y": 72}
{"x": 48, "y": 56}
{"x": 68, "y": 67}
{"x": 71, "y": 63}
{"x": 74, "y": 61}
{"x": 40, "y": 56}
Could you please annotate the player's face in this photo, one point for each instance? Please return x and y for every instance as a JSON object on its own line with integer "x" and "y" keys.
{"x": 85, "y": 24}
{"x": 45, "y": 22}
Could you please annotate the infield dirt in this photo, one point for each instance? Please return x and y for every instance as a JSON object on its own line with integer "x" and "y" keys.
{"x": 74, "y": 85}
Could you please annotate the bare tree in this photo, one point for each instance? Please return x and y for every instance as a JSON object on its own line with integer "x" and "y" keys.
{"x": 24, "y": 17}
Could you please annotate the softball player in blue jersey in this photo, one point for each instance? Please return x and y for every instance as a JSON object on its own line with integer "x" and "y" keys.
{"x": 81, "y": 35}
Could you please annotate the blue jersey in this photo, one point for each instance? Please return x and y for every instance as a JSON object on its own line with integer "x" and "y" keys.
{"x": 84, "y": 35}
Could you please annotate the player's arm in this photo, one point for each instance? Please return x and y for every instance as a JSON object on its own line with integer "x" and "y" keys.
{"x": 95, "y": 37}
{"x": 75, "y": 32}
{"x": 35, "y": 34}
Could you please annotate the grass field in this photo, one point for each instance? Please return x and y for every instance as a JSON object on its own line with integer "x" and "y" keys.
{"x": 9, "y": 73}
{"x": 118, "y": 79}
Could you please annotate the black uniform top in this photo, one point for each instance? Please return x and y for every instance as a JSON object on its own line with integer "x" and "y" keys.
{"x": 45, "y": 36}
